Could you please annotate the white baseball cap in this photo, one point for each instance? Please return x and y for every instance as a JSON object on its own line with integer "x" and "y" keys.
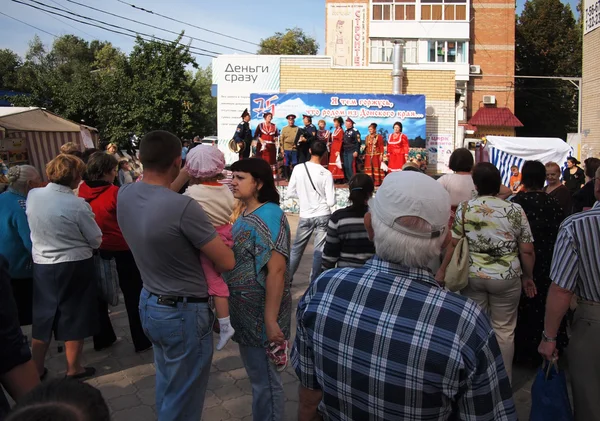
{"x": 410, "y": 193}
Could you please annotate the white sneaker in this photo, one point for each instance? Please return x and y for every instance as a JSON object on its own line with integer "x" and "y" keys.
{"x": 224, "y": 337}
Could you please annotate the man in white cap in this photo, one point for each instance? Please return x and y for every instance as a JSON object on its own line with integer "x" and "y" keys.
{"x": 385, "y": 341}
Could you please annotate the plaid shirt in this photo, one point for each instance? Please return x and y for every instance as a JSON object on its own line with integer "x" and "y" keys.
{"x": 385, "y": 342}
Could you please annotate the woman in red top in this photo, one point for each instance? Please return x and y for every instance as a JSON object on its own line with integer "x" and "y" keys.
{"x": 101, "y": 194}
{"x": 397, "y": 149}
{"x": 336, "y": 150}
{"x": 324, "y": 136}
{"x": 267, "y": 134}
{"x": 374, "y": 154}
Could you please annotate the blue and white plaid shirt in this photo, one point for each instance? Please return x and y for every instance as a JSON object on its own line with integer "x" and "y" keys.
{"x": 385, "y": 342}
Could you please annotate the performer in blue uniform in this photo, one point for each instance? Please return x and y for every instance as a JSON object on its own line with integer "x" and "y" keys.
{"x": 243, "y": 135}
{"x": 351, "y": 148}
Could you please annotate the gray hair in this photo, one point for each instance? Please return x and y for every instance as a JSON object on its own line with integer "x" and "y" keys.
{"x": 403, "y": 249}
{"x": 20, "y": 175}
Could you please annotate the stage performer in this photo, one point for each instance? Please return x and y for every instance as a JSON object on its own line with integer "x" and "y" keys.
{"x": 336, "y": 150}
{"x": 324, "y": 136}
{"x": 288, "y": 142}
{"x": 243, "y": 135}
{"x": 266, "y": 135}
{"x": 397, "y": 149}
{"x": 374, "y": 155}
{"x": 351, "y": 147}
{"x": 308, "y": 136}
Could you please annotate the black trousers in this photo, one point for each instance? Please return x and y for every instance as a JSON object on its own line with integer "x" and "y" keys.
{"x": 130, "y": 282}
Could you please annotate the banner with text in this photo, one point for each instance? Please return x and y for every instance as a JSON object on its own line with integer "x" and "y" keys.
{"x": 439, "y": 149}
{"x": 591, "y": 15}
{"x": 346, "y": 38}
{"x": 364, "y": 109}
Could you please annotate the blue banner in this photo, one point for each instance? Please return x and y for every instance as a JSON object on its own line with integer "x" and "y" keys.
{"x": 364, "y": 109}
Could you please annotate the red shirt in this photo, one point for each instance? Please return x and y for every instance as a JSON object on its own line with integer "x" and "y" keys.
{"x": 102, "y": 197}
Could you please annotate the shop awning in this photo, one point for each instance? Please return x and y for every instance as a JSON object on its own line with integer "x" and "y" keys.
{"x": 495, "y": 117}
{"x": 34, "y": 119}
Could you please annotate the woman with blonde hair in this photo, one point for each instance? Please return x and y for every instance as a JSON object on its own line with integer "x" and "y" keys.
{"x": 64, "y": 235}
{"x": 15, "y": 237}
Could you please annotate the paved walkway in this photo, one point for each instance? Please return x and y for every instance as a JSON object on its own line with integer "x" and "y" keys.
{"x": 127, "y": 379}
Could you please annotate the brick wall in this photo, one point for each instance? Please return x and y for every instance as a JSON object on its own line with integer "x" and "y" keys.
{"x": 591, "y": 91}
{"x": 438, "y": 86}
{"x": 492, "y": 48}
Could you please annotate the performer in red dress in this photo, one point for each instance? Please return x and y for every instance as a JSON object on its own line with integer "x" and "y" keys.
{"x": 374, "y": 155}
{"x": 266, "y": 133}
{"x": 324, "y": 136}
{"x": 397, "y": 149}
{"x": 336, "y": 150}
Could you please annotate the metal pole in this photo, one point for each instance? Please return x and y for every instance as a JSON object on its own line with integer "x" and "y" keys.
{"x": 579, "y": 106}
{"x": 397, "y": 72}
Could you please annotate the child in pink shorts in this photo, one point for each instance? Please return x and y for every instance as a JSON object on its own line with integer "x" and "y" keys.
{"x": 205, "y": 166}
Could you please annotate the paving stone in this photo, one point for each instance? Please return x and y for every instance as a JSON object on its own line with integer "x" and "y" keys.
{"x": 124, "y": 402}
{"x": 229, "y": 363}
{"x": 141, "y": 370}
{"x": 239, "y": 407}
{"x": 147, "y": 396}
{"x": 219, "y": 379}
{"x": 216, "y": 413}
{"x": 291, "y": 410}
{"x": 287, "y": 377}
{"x": 144, "y": 382}
{"x": 228, "y": 392}
{"x": 210, "y": 399}
{"x": 291, "y": 391}
{"x": 245, "y": 385}
{"x": 118, "y": 388}
{"x": 139, "y": 413}
{"x": 110, "y": 377}
{"x": 238, "y": 373}
{"x": 109, "y": 365}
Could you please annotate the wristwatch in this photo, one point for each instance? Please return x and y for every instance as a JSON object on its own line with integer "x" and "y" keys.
{"x": 546, "y": 338}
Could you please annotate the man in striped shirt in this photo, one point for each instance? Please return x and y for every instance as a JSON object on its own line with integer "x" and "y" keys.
{"x": 576, "y": 270}
{"x": 385, "y": 342}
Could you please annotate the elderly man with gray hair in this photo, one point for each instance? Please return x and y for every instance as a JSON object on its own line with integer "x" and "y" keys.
{"x": 385, "y": 341}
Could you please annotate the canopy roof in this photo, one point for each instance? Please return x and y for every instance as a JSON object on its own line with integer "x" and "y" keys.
{"x": 34, "y": 119}
{"x": 495, "y": 117}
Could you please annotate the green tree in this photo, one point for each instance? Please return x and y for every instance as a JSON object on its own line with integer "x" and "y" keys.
{"x": 9, "y": 67}
{"x": 293, "y": 42}
{"x": 548, "y": 43}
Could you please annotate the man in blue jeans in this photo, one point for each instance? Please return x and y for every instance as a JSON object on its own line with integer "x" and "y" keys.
{"x": 312, "y": 184}
{"x": 166, "y": 233}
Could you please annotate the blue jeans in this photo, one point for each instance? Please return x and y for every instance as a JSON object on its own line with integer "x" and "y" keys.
{"x": 306, "y": 227}
{"x": 290, "y": 157}
{"x": 183, "y": 348}
{"x": 267, "y": 387}
{"x": 348, "y": 164}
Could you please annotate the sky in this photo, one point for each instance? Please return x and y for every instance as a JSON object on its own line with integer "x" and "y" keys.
{"x": 248, "y": 20}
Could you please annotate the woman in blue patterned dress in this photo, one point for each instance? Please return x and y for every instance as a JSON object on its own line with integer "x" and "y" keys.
{"x": 259, "y": 285}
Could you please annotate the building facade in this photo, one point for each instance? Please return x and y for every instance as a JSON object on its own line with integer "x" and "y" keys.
{"x": 590, "y": 133}
{"x": 475, "y": 40}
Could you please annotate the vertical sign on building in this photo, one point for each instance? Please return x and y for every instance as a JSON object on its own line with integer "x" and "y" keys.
{"x": 347, "y": 34}
{"x": 591, "y": 19}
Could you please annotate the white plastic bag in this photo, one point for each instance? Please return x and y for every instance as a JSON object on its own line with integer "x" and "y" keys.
{"x": 338, "y": 162}
{"x": 383, "y": 166}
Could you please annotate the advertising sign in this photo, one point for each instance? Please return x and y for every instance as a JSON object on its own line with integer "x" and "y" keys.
{"x": 236, "y": 77}
{"x": 347, "y": 34}
{"x": 591, "y": 19}
{"x": 439, "y": 149}
{"x": 364, "y": 109}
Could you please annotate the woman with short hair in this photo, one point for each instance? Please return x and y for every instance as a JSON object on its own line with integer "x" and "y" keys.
{"x": 99, "y": 191}
{"x": 573, "y": 175}
{"x": 259, "y": 285}
{"x": 556, "y": 189}
{"x": 374, "y": 155}
{"x": 544, "y": 215}
{"x": 501, "y": 255}
{"x": 64, "y": 235}
{"x": 15, "y": 236}
{"x": 459, "y": 184}
{"x": 347, "y": 243}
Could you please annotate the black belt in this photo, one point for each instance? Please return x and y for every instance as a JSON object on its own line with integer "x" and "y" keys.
{"x": 172, "y": 300}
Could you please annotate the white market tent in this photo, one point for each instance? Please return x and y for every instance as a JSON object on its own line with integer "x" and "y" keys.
{"x": 505, "y": 152}
{"x": 41, "y": 133}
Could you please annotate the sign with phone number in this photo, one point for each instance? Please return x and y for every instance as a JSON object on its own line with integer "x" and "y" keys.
{"x": 592, "y": 15}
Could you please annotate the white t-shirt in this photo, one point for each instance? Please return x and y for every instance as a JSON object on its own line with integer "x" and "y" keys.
{"x": 312, "y": 203}
{"x": 459, "y": 186}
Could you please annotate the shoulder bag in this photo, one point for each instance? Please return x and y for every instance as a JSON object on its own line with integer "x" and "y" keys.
{"x": 457, "y": 272}
{"x": 310, "y": 178}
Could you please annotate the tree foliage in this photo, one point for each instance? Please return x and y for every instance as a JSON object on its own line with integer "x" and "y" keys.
{"x": 293, "y": 42}
{"x": 121, "y": 95}
{"x": 548, "y": 43}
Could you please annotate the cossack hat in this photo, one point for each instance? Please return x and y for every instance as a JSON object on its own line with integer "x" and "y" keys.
{"x": 350, "y": 120}
{"x": 205, "y": 161}
{"x": 409, "y": 193}
{"x": 287, "y": 117}
{"x": 245, "y": 113}
{"x": 307, "y": 116}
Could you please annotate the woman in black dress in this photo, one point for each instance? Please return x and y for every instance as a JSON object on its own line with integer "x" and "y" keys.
{"x": 573, "y": 176}
{"x": 545, "y": 215}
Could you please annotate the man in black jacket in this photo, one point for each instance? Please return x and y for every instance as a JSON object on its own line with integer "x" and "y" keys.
{"x": 243, "y": 135}
{"x": 584, "y": 199}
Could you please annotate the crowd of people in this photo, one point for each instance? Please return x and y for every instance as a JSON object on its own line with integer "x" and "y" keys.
{"x": 199, "y": 248}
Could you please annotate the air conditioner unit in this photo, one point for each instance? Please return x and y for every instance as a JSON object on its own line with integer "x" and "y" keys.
{"x": 475, "y": 69}
{"x": 489, "y": 99}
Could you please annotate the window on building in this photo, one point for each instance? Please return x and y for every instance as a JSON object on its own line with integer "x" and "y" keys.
{"x": 382, "y": 51}
{"x": 447, "y": 52}
{"x": 443, "y": 10}
{"x": 394, "y": 10}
